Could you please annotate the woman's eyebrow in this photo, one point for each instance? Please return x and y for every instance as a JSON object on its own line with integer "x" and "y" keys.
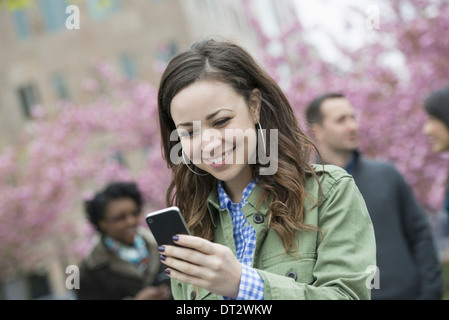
{"x": 208, "y": 117}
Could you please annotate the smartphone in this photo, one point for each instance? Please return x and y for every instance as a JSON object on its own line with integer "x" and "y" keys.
{"x": 165, "y": 223}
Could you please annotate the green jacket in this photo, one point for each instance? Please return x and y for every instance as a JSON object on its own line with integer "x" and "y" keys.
{"x": 338, "y": 266}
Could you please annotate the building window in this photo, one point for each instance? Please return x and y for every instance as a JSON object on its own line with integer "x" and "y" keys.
{"x": 28, "y": 97}
{"x": 60, "y": 86}
{"x": 100, "y": 9}
{"x": 21, "y": 23}
{"x": 54, "y": 14}
{"x": 128, "y": 66}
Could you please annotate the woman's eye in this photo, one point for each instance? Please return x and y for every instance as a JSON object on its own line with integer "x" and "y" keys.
{"x": 187, "y": 133}
{"x": 221, "y": 122}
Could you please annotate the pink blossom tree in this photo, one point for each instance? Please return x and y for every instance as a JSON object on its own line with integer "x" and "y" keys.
{"x": 389, "y": 100}
{"x": 67, "y": 155}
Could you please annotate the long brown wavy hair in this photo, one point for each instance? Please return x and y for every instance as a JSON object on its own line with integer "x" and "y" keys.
{"x": 229, "y": 63}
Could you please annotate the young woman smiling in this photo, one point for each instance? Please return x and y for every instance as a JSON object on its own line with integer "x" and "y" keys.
{"x": 301, "y": 232}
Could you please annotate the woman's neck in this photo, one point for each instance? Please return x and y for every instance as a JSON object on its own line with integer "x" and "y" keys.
{"x": 234, "y": 188}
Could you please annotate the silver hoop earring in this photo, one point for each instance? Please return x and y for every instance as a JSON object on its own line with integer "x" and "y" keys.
{"x": 262, "y": 136}
{"x": 185, "y": 162}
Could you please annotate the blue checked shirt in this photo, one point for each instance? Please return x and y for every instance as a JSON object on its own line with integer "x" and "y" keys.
{"x": 251, "y": 284}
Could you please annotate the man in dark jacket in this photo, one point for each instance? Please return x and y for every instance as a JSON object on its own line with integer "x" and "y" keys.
{"x": 407, "y": 261}
{"x": 124, "y": 263}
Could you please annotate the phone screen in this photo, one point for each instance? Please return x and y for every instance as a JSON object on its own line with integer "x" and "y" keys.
{"x": 165, "y": 223}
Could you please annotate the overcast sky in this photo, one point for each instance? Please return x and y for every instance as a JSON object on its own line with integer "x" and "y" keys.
{"x": 330, "y": 15}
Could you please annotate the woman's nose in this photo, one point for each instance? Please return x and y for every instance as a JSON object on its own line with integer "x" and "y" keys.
{"x": 211, "y": 142}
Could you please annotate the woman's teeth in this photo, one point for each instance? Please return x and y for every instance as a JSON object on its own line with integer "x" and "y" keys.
{"x": 221, "y": 158}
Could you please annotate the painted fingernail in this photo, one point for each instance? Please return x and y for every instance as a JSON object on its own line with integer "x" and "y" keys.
{"x": 162, "y": 257}
{"x": 161, "y": 248}
{"x": 166, "y": 271}
{"x": 175, "y": 238}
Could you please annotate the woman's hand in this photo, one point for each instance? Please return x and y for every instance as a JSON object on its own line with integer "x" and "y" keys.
{"x": 202, "y": 263}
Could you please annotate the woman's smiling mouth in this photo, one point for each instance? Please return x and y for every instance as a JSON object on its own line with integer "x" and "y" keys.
{"x": 220, "y": 160}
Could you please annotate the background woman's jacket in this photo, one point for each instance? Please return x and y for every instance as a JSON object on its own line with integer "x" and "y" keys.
{"x": 105, "y": 276}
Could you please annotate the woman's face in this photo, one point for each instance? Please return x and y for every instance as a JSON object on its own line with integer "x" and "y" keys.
{"x": 217, "y": 129}
{"x": 121, "y": 220}
{"x": 438, "y": 134}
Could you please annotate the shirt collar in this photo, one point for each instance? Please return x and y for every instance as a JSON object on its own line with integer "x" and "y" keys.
{"x": 351, "y": 164}
{"x": 224, "y": 199}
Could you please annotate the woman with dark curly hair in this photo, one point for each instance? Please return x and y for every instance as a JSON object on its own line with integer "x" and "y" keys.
{"x": 265, "y": 224}
{"x": 124, "y": 264}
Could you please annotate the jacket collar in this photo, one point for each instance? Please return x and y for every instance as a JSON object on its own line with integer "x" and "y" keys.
{"x": 213, "y": 202}
{"x": 353, "y": 162}
{"x": 351, "y": 165}
{"x": 101, "y": 256}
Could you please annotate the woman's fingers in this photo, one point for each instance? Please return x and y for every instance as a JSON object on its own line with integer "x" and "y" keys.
{"x": 196, "y": 243}
{"x": 202, "y": 263}
{"x": 192, "y": 249}
{"x": 192, "y": 260}
{"x": 189, "y": 279}
{"x": 184, "y": 266}
{"x": 184, "y": 254}
{"x": 198, "y": 251}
